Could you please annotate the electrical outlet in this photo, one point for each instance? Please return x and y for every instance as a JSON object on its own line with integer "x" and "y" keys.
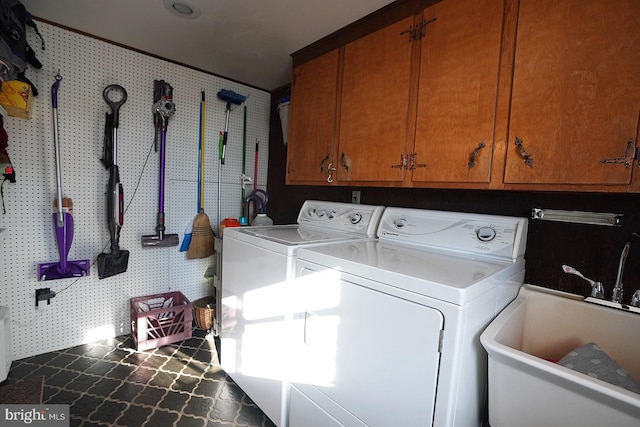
{"x": 355, "y": 196}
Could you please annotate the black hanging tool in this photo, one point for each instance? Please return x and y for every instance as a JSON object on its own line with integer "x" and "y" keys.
{"x": 117, "y": 261}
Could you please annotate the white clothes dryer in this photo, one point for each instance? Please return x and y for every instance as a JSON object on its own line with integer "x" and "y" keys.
{"x": 258, "y": 264}
{"x": 387, "y": 330}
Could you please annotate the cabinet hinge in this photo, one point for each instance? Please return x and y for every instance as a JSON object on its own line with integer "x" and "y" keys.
{"x": 402, "y": 164}
{"x": 417, "y": 32}
{"x": 420, "y": 28}
{"x": 413, "y": 164}
{"x": 411, "y": 31}
{"x": 440, "y": 340}
{"x": 631, "y": 153}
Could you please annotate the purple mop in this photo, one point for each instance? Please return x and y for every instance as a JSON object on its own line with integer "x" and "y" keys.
{"x": 62, "y": 216}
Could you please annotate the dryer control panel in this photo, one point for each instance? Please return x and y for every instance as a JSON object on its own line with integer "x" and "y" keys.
{"x": 493, "y": 235}
{"x": 341, "y": 217}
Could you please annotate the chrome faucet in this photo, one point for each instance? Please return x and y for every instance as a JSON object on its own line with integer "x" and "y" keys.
{"x": 617, "y": 289}
{"x": 597, "y": 290}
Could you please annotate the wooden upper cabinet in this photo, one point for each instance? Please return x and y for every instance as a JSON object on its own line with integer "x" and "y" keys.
{"x": 576, "y": 93}
{"x": 312, "y": 119}
{"x": 374, "y": 107}
{"x": 457, "y": 91}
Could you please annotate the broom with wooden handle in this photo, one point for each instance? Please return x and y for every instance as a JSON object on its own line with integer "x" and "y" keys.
{"x": 202, "y": 240}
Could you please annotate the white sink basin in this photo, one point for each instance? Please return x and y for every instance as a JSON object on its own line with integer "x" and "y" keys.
{"x": 526, "y": 387}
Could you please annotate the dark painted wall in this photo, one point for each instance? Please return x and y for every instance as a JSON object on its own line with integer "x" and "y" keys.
{"x": 593, "y": 250}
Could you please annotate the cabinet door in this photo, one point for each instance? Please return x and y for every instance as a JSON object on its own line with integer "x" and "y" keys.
{"x": 312, "y": 119}
{"x": 576, "y": 92}
{"x": 458, "y": 83}
{"x": 375, "y": 105}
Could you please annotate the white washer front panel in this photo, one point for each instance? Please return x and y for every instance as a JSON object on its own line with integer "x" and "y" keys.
{"x": 449, "y": 277}
{"x": 352, "y": 337}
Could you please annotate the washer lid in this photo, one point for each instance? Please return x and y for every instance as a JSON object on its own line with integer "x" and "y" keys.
{"x": 447, "y": 276}
{"x": 285, "y": 238}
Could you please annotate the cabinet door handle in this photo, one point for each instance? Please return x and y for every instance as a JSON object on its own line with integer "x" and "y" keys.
{"x": 474, "y": 155}
{"x": 528, "y": 159}
{"x": 323, "y": 162}
{"x": 330, "y": 170}
{"x": 629, "y": 155}
{"x": 402, "y": 164}
{"x": 345, "y": 161}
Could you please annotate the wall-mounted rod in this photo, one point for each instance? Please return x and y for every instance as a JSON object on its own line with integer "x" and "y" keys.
{"x": 578, "y": 217}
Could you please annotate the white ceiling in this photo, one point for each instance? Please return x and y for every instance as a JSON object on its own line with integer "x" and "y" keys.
{"x": 249, "y": 41}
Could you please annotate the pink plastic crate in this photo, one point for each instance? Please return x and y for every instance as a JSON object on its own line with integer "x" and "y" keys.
{"x": 160, "y": 319}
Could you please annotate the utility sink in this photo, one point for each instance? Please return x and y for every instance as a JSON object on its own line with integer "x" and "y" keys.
{"x": 528, "y": 388}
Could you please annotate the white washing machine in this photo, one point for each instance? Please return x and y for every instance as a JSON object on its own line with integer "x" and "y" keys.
{"x": 388, "y": 329}
{"x": 258, "y": 265}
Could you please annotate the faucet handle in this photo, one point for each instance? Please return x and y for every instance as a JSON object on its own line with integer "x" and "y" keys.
{"x": 635, "y": 298}
{"x": 616, "y": 296}
{"x": 597, "y": 290}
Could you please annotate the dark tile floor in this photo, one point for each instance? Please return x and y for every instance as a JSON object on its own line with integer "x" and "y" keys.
{"x": 109, "y": 383}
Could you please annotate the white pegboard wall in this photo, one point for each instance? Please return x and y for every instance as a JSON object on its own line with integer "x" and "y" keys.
{"x": 88, "y": 309}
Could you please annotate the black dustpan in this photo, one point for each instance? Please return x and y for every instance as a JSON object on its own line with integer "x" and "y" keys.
{"x": 112, "y": 263}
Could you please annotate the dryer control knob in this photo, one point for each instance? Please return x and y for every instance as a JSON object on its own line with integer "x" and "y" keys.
{"x": 400, "y": 223}
{"x": 355, "y": 218}
{"x": 486, "y": 234}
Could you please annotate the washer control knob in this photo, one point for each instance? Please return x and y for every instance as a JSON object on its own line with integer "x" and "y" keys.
{"x": 332, "y": 214}
{"x": 321, "y": 213}
{"x": 400, "y": 223}
{"x": 486, "y": 234}
{"x": 355, "y": 218}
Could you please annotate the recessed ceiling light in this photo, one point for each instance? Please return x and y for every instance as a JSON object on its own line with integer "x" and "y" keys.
{"x": 182, "y": 8}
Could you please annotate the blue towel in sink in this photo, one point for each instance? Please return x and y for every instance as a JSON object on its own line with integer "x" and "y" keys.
{"x": 591, "y": 360}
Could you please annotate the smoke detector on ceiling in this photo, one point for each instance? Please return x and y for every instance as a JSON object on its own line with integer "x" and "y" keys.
{"x": 182, "y": 8}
